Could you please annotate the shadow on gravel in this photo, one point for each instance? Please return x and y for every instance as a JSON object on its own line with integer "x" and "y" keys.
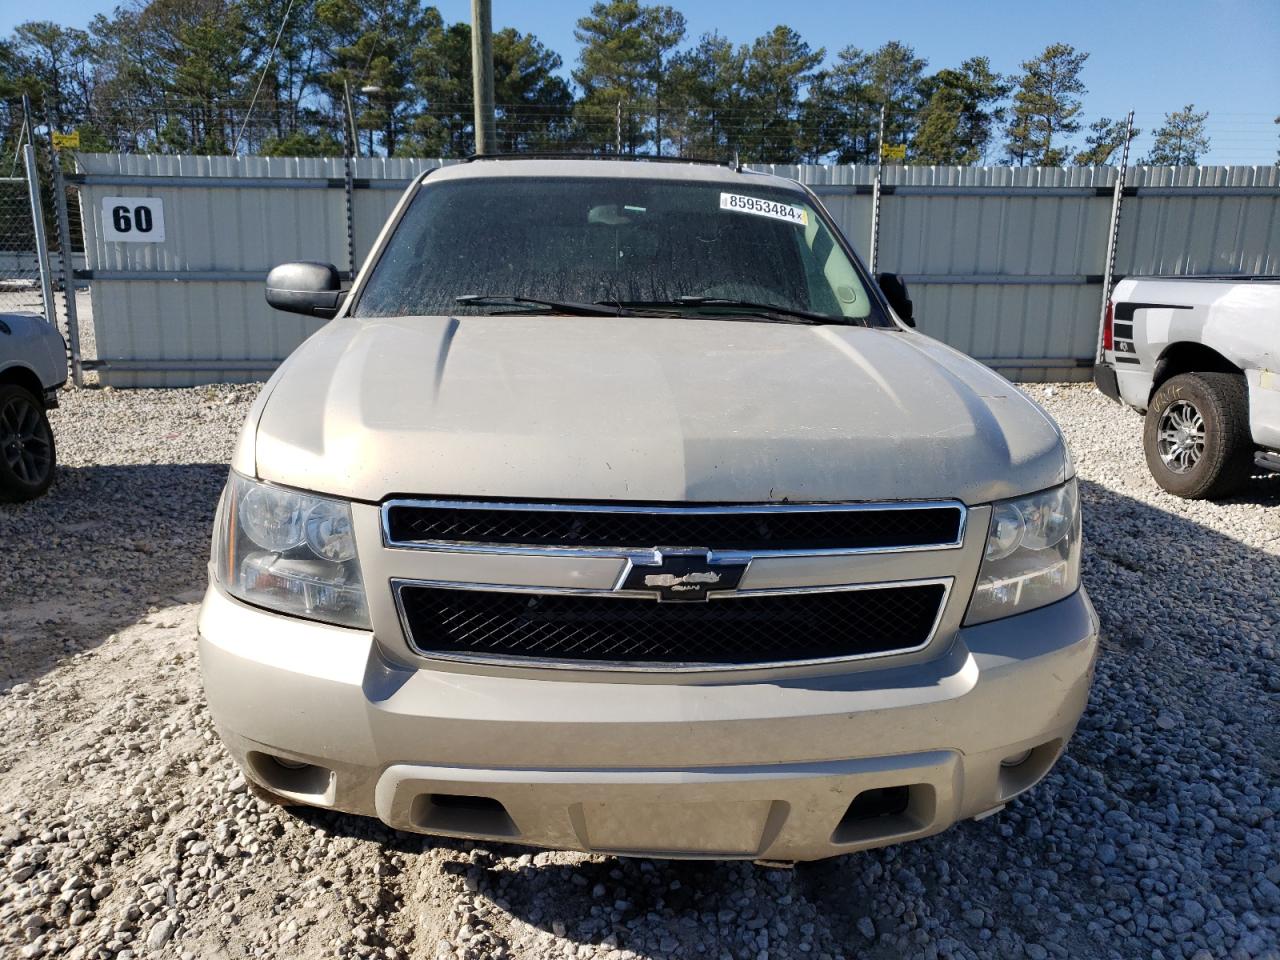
{"x": 102, "y": 548}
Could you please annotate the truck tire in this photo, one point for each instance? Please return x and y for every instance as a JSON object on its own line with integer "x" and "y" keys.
{"x": 27, "y": 455}
{"x": 1196, "y": 435}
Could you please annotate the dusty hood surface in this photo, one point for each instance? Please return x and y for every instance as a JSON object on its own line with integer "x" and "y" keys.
{"x": 598, "y": 408}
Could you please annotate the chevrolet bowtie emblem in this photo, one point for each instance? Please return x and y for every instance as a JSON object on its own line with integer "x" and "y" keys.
{"x": 686, "y": 575}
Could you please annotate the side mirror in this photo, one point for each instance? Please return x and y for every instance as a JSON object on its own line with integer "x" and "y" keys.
{"x": 895, "y": 291}
{"x": 314, "y": 289}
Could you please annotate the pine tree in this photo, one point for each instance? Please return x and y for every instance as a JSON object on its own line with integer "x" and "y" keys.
{"x": 372, "y": 50}
{"x": 625, "y": 51}
{"x": 1181, "y": 140}
{"x": 896, "y": 77}
{"x": 957, "y": 122}
{"x": 1046, "y": 107}
{"x": 1105, "y": 137}
{"x": 52, "y": 66}
{"x": 779, "y": 67}
{"x": 704, "y": 89}
{"x": 282, "y": 117}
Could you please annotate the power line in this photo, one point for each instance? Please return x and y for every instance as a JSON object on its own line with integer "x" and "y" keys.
{"x": 265, "y": 67}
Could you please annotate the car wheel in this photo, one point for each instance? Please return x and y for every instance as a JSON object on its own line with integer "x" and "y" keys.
{"x": 26, "y": 445}
{"x": 1197, "y": 435}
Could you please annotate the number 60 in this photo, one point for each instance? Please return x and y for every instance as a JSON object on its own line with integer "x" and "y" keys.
{"x": 124, "y": 223}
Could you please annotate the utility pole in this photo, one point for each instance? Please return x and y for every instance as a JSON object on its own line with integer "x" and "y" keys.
{"x": 482, "y": 75}
{"x": 617, "y": 129}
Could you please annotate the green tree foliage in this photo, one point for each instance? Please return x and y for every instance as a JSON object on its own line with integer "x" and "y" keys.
{"x": 704, "y": 94}
{"x": 1046, "y": 107}
{"x": 897, "y": 83}
{"x": 301, "y": 56}
{"x": 778, "y": 68}
{"x": 842, "y": 113}
{"x": 1181, "y": 139}
{"x": 371, "y": 61}
{"x": 1105, "y": 138}
{"x": 533, "y": 104}
{"x": 171, "y": 74}
{"x": 626, "y": 51}
{"x": 179, "y": 75}
{"x": 54, "y": 71}
{"x": 957, "y": 123}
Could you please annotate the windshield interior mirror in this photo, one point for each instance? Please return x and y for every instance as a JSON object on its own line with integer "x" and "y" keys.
{"x": 313, "y": 289}
{"x": 894, "y": 289}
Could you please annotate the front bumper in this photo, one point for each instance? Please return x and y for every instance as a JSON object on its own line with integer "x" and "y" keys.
{"x": 758, "y": 769}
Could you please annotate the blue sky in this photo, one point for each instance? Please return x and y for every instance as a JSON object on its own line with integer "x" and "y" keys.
{"x": 1152, "y": 57}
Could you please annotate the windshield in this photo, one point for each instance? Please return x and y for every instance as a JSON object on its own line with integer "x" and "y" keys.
{"x": 639, "y": 243}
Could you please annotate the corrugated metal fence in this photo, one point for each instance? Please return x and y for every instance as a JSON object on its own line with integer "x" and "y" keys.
{"x": 1005, "y": 263}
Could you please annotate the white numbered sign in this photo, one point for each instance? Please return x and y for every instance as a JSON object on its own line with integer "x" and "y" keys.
{"x": 133, "y": 219}
{"x": 764, "y": 208}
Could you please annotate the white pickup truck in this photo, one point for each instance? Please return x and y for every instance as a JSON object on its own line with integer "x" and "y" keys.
{"x": 1200, "y": 356}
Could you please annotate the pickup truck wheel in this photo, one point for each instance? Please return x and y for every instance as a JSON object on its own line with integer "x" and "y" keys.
{"x": 26, "y": 445}
{"x": 1197, "y": 435}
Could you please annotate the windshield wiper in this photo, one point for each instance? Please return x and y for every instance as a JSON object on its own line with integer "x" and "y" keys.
{"x": 565, "y": 306}
{"x": 759, "y": 311}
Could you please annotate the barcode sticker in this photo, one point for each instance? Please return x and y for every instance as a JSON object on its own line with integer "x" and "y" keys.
{"x": 764, "y": 208}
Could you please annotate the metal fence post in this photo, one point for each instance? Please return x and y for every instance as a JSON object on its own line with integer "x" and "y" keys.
{"x": 347, "y": 184}
{"x": 1117, "y": 199}
{"x": 874, "y": 259}
{"x": 37, "y": 225}
{"x": 67, "y": 259}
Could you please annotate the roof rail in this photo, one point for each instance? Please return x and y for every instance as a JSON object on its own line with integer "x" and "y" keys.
{"x": 570, "y": 155}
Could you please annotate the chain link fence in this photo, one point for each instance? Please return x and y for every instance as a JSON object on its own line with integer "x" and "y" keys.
{"x": 20, "y": 290}
{"x": 41, "y": 233}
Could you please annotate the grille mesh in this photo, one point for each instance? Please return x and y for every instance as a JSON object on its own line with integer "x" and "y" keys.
{"x": 772, "y": 530}
{"x": 740, "y": 630}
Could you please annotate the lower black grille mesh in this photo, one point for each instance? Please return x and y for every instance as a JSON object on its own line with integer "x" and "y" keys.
{"x": 732, "y": 631}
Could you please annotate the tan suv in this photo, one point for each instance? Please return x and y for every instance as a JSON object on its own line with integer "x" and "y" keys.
{"x": 618, "y": 509}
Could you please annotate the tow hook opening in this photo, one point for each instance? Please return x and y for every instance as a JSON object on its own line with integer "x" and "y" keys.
{"x": 886, "y": 811}
{"x": 1022, "y": 770}
{"x": 292, "y": 777}
{"x": 462, "y": 813}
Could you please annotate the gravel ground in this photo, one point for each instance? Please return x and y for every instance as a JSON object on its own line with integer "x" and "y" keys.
{"x": 125, "y": 831}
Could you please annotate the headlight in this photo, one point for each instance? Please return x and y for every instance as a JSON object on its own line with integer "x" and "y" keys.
{"x": 1032, "y": 555}
{"x": 290, "y": 552}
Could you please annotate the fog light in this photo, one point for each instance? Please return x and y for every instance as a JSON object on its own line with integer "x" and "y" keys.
{"x": 1016, "y": 760}
{"x": 289, "y": 764}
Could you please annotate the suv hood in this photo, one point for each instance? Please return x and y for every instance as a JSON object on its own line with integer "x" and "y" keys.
{"x": 645, "y": 409}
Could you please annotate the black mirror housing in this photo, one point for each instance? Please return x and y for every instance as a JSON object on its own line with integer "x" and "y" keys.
{"x": 312, "y": 289}
{"x": 894, "y": 289}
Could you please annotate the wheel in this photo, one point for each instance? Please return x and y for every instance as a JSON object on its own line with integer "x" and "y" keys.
{"x": 26, "y": 445}
{"x": 1197, "y": 435}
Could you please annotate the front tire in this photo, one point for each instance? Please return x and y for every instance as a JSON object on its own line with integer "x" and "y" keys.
{"x": 1196, "y": 435}
{"x": 27, "y": 455}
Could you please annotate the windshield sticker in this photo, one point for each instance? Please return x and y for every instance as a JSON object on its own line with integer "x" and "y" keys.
{"x": 764, "y": 208}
